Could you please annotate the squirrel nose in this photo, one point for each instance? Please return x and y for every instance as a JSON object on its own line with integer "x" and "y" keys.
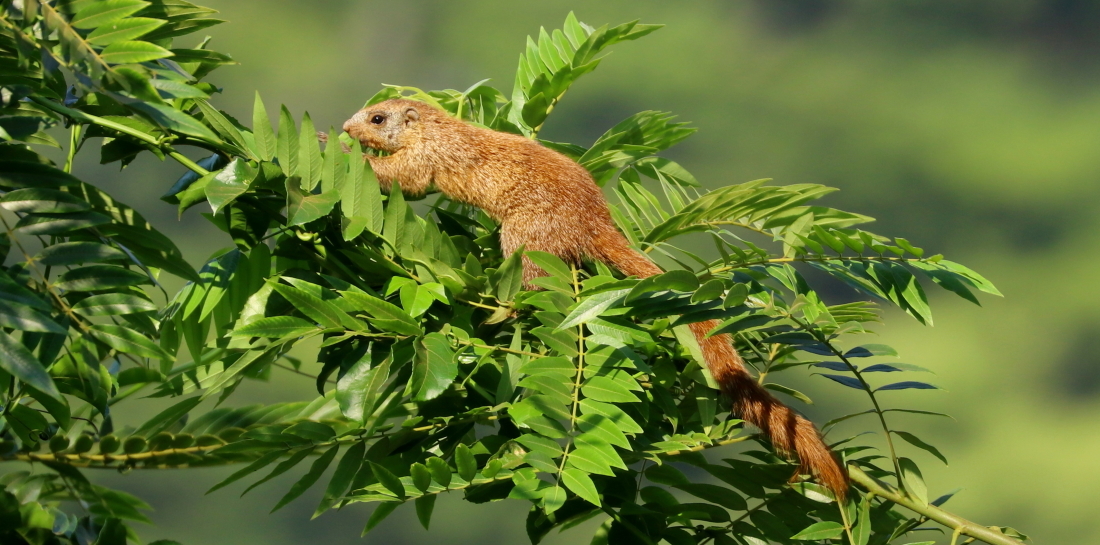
{"x": 347, "y": 126}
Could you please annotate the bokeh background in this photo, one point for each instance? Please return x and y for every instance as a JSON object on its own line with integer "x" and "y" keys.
{"x": 971, "y": 127}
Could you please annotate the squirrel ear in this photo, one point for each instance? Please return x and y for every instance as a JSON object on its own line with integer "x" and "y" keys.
{"x": 411, "y": 115}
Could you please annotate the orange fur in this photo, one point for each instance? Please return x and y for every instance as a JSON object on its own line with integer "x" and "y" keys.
{"x": 547, "y": 202}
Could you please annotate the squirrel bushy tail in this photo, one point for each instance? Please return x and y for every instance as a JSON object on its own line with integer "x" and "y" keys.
{"x": 788, "y": 431}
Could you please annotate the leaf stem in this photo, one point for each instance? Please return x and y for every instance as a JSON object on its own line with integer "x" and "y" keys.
{"x": 106, "y": 123}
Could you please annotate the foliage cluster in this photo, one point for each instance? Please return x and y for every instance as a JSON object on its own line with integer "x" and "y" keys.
{"x": 435, "y": 370}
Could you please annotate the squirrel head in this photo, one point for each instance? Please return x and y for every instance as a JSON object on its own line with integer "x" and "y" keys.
{"x": 389, "y": 125}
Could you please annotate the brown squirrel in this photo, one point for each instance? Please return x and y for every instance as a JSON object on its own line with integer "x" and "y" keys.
{"x": 547, "y": 202}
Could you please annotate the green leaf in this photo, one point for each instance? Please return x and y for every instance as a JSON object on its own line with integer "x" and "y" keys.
{"x": 128, "y": 341}
{"x": 25, "y": 174}
{"x": 309, "y": 155}
{"x": 58, "y": 224}
{"x": 357, "y": 390}
{"x": 613, "y": 413}
{"x": 42, "y": 200}
{"x": 553, "y": 498}
{"x": 715, "y": 494}
{"x": 602, "y": 388}
{"x": 25, "y": 318}
{"x": 907, "y": 385}
{"x": 861, "y": 534}
{"x": 341, "y": 478}
{"x": 283, "y": 466}
{"x": 421, "y": 476}
{"x": 916, "y": 442}
{"x": 592, "y": 307}
{"x": 21, "y": 364}
{"x": 133, "y": 52}
{"x": 261, "y": 463}
{"x": 679, "y": 280}
{"x": 790, "y": 391}
{"x": 105, "y": 12}
{"x": 581, "y": 484}
{"x": 464, "y": 461}
{"x": 74, "y": 253}
{"x": 380, "y": 513}
{"x": 913, "y": 481}
{"x": 276, "y": 327}
{"x": 287, "y": 143}
{"x": 266, "y": 144}
{"x": 434, "y": 366}
{"x": 424, "y": 506}
{"x": 171, "y": 118}
{"x": 603, "y": 428}
{"x": 125, "y": 29}
{"x": 388, "y": 480}
{"x": 304, "y": 207}
{"x": 552, "y": 264}
{"x": 361, "y": 198}
{"x": 167, "y": 417}
{"x": 319, "y": 466}
{"x": 441, "y": 472}
{"x": 510, "y": 276}
{"x": 384, "y": 313}
{"x": 233, "y": 181}
{"x": 820, "y": 531}
{"x": 223, "y": 126}
{"x": 325, "y": 313}
{"x": 592, "y": 459}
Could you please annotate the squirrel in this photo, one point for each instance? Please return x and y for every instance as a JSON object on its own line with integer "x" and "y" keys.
{"x": 547, "y": 202}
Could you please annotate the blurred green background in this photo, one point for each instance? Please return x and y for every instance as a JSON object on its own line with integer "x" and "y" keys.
{"x": 971, "y": 127}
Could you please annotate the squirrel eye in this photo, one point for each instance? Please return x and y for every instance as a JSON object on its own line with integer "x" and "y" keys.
{"x": 377, "y": 119}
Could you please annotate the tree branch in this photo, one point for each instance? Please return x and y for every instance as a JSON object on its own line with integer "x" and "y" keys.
{"x": 956, "y": 523}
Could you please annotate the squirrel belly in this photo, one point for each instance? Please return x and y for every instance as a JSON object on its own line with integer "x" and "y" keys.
{"x": 547, "y": 202}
